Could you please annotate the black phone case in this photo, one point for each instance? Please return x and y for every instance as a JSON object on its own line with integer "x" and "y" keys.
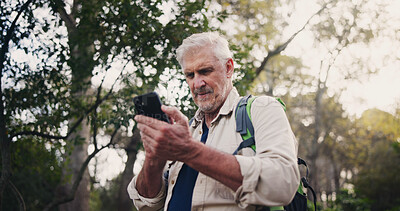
{"x": 149, "y": 104}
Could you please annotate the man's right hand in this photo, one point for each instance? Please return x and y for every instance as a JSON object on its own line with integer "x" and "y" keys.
{"x": 149, "y": 180}
{"x": 167, "y": 141}
{"x": 162, "y": 142}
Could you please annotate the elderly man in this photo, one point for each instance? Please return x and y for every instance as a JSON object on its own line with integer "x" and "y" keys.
{"x": 206, "y": 175}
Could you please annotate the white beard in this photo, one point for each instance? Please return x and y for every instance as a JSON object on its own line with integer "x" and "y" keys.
{"x": 211, "y": 107}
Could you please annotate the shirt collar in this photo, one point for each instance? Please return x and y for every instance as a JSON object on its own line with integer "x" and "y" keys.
{"x": 226, "y": 109}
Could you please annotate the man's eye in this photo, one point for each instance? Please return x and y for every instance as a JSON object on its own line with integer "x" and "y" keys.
{"x": 206, "y": 71}
{"x": 189, "y": 75}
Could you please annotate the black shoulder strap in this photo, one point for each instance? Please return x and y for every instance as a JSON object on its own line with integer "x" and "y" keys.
{"x": 304, "y": 180}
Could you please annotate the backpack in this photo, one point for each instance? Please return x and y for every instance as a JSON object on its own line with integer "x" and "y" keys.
{"x": 245, "y": 127}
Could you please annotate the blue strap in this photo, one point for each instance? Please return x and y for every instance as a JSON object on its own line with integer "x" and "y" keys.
{"x": 190, "y": 121}
{"x": 243, "y": 124}
{"x": 246, "y": 143}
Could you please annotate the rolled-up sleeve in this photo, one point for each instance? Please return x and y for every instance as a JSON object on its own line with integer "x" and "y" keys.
{"x": 271, "y": 177}
{"x": 143, "y": 203}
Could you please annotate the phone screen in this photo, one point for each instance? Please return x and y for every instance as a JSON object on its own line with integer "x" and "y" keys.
{"x": 150, "y": 105}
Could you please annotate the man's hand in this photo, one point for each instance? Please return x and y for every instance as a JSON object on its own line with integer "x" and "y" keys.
{"x": 163, "y": 141}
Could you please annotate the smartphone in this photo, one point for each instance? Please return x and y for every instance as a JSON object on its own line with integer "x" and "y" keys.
{"x": 149, "y": 104}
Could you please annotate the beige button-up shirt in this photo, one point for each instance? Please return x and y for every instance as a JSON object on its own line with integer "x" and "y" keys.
{"x": 270, "y": 175}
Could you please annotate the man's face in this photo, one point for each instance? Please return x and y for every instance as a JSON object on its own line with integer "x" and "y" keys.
{"x": 209, "y": 80}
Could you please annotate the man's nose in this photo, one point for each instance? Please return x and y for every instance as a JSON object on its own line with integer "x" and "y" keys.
{"x": 199, "y": 82}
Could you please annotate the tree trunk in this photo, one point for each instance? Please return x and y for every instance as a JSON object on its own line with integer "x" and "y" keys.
{"x": 124, "y": 202}
{"x": 81, "y": 63}
{"x": 73, "y": 163}
{"x": 315, "y": 145}
{"x": 5, "y": 150}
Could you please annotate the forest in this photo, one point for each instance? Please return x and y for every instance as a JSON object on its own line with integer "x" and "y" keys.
{"x": 70, "y": 68}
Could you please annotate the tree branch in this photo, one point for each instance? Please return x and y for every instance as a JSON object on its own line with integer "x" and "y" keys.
{"x": 82, "y": 170}
{"x": 79, "y": 177}
{"x": 283, "y": 46}
{"x": 18, "y": 195}
{"x": 94, "y": 122}
{"x": 74, "y": 8}
{"x": 9, "y": 35}
{"x": 75, "y": 125}
{"x": 36, "y": 133}
{"x": 69, "y": 21}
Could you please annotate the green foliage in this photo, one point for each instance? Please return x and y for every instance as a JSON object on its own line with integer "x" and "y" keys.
{"x": 380, "y": 125}
{"x": 105, "y": 198}
{"x": 68, "y": 46}
{"x": 36, "y": 172}
{"x": 41, "y": 96}
{"x": 351, "y": 30}
{"x": 255, "y": 29}
{"x": 254, "y": 34}
{"x": 246, "y": 72}
{"x": 370, "y": 144}
{"x": 335, "y": 144}
{"x": 349, "y": 201}
{"x": 378, "y": 180}
{"x": 37, "y": 101}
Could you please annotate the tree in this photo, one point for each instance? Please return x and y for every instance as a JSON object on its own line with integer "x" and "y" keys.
{"x": 339, "y": 33}
{"x": 256, "y": 39}
{"x": 79, "y": 40}
{"x": 339, "y": 28}
{"x": 36, "y": 171}
{"x": 375, "y": 179}
{"x": 378, "y": 179}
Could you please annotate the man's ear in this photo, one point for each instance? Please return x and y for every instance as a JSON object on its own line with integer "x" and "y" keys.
{"x": 229, "y": 67}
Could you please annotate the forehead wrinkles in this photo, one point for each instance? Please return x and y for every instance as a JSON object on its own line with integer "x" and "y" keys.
{"x": 195, "y": 52}
{"x": 199, "y": 58}
{"x": 198, "y": 66}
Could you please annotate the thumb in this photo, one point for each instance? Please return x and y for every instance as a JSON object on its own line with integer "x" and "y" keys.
{"x": 175, "y": 114}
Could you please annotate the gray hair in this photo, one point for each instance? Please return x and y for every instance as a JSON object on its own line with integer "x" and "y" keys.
{"x": 218, "y": 43}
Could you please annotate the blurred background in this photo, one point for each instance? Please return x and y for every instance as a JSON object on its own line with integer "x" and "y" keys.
{"x": 69, "y": 70}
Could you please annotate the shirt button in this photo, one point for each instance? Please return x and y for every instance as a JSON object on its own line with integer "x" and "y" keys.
{"x": 172, "y": 182}
{"x": 200, "y": 132}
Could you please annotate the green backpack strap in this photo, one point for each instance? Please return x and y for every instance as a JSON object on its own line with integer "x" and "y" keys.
{"x": 244, "y": 126}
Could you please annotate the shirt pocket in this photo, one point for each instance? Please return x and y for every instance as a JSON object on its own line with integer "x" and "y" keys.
{"x": 222, "y": 192}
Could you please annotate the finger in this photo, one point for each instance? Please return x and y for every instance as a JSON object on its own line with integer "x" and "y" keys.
{"x": 143, "y": 119}
{"x": 148, "y": 143}
{"x": 175, "y": 114}
{"x": 171, "y": 121}
{"x": 147, "y": 131}
{"x": 149, "y": 121}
